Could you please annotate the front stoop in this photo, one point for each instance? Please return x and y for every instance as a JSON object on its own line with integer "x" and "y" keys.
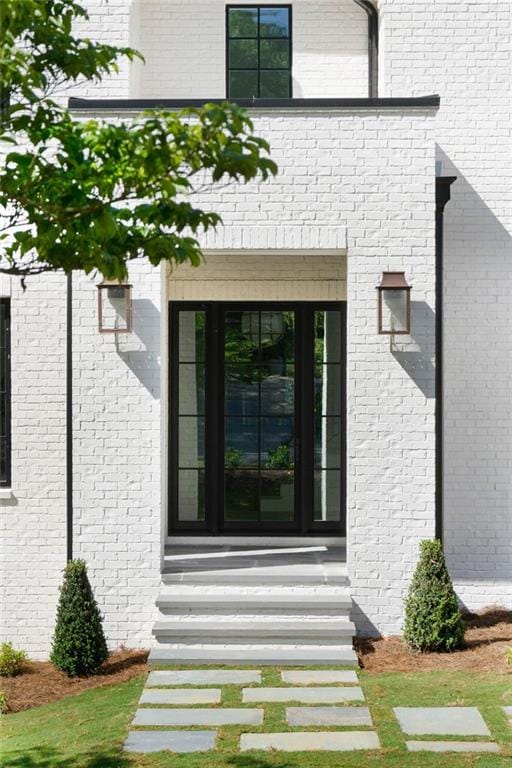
{"x": 246, "y": 606}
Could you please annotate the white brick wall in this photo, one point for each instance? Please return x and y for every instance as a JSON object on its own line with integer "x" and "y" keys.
{"x": 184, "y": 47}
{"x": 33, "y": 521}
{"x": 463, "y": 50}
{"x": 371, "y": 173}
{"x": 117, "y": 454}
{"x": 391, "y": 422}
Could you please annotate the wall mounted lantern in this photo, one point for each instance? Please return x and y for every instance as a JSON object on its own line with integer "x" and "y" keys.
{"x": 394, "y": 305}
{"x": 114, "y": 307}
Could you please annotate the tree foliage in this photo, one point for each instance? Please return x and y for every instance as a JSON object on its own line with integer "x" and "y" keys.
{"x": 95, "y": 194}
{"x": 79, "y": 646}
{"x": 433, "y": 620}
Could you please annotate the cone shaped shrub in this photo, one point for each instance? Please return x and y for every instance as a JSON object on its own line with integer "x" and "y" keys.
{"x": 79, "y": 646}
{"x": 433, "y": 621}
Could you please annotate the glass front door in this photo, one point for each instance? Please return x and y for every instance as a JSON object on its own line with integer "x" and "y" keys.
{"x": 257, "y": 418}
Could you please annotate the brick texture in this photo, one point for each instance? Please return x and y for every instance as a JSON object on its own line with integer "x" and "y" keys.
{"x": 361, "y": 183}
{"x": 463, "y": 52}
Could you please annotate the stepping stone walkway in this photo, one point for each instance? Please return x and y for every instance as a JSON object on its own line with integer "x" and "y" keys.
{"x": 445, "y": 721}
{"x": 508, "y": 712}
{"x": 204, "y": 677}
{"x": 181, "y": 696}
{"x": 165, "y": 708}
{"x": 331, "y": 716}
{"x": 175, "y": 741}
{"x": 220, "y": 716}
{"x": 313, "y": 741}
{"x": 452, "y": 746}
{"x": 319, "y": 677}
{"x": 307, "y": 695}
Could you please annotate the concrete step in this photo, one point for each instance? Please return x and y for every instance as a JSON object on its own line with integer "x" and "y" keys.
{"x": 236, "y": 654}
{"x": 261, "y": 629}
{"x": 322, "y": 601}
{"x": 275, "y": 575}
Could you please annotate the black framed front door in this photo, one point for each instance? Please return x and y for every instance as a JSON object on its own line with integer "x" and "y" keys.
{"x": 257, "y": 418}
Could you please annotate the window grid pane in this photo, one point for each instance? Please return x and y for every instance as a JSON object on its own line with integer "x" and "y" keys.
{"x": 268, "y": 76}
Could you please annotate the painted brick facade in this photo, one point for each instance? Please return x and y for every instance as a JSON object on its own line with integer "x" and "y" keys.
{"x": 358, "y": 183}
{"x": 463, "y": 52}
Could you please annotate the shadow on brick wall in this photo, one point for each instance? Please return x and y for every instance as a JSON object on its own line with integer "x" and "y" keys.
{"x": 417, "y": 354}
{"x": 477, "y": 369}
{"x": 140, "y": 350}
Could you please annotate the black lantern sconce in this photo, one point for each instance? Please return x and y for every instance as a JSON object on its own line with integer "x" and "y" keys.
{"x": 394, "y": 305}
{"x": 114, "y": 308}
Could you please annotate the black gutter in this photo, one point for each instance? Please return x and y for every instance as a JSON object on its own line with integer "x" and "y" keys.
{"x": 373, "y": 46}
{"x": 69, "y": 418}
{"x": 443, "y": 184}
{"x": 143, "y": 104}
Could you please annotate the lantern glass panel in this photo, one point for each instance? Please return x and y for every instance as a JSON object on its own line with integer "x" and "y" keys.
{"x": 395, "y": 310}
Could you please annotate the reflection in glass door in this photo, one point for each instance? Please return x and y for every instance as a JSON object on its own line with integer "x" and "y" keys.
{"x": 257, "y": 418}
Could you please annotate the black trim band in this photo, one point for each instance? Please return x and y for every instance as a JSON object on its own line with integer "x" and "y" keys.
{"x": 69, "y": 418}
{"x": 352, "y": 103}
{"x": 5, "y": 394}
{"x": 443, "y": 184}
{"x": 373, "y": 46}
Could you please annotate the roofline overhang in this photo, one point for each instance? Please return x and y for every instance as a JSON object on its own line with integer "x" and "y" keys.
{"x": 135, "y": 105}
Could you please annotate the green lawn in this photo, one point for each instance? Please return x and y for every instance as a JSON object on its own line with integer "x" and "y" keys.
{"x": 86, "y": 731}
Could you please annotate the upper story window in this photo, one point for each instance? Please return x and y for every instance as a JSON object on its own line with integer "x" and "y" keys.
{"x": 259, "y": 51}
{"x": 5, "y": 393}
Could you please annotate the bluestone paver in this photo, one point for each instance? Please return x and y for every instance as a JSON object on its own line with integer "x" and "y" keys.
{"x": 445, "y": 721}
{"x": 452, "y": 746}
{"x": 174, "y": 741}
{"x": 328, "y": 716}
{"x": 508, "y": 712}
{"x": 310, "y": 741}
{"x": 182, "y": 716}
{"x": 307, "y": 695}
{"x": 318, "y": 677}
{"x": 204, "y": 677}
{"x": 181, "y": 696}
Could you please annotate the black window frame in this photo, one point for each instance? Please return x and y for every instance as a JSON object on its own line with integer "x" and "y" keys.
{"x": 5, "y": 395}
{"x": 258, "y": 69}
{"x": 213, "y": 524}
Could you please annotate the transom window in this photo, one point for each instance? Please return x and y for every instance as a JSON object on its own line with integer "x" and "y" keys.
{"x": 259, "y": 51}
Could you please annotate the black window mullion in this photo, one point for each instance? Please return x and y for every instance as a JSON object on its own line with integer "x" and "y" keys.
{"x": 5, "y": 395}
{"x": 259, "y": 80}
{"x": 307, "y": 410}
{"x": 215, "y": 401}
{"x": 260, "y": 363}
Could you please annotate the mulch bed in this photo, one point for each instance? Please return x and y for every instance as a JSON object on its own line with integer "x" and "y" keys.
{"x": 41, "y": 683}
{"x": 488, "y": 635}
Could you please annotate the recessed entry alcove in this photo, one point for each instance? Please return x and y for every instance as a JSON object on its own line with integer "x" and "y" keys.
{"x": 257, "y": 394}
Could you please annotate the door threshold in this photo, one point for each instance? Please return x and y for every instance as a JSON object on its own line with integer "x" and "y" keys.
{"x": 255, "y": 541}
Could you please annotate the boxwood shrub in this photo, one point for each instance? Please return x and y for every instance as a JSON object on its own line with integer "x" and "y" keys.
{"x": 433, "y": 621}
{"x": 79, "y": 646}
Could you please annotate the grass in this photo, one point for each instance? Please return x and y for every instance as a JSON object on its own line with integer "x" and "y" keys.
{"x": 87, "y": 730}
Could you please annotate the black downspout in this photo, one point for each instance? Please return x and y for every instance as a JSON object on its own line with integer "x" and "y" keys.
{"x": 69, "y": 418}
{"x": 443, "y": 184}
{"x": 373, "y": 47}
